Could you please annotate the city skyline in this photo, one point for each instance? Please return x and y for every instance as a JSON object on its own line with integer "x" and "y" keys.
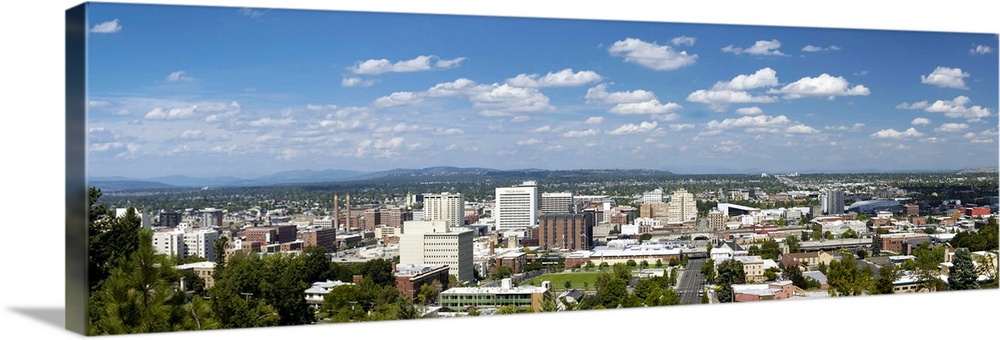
{"x": 248, "y": 92}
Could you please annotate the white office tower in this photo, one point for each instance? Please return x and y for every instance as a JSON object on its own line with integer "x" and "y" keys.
{"x": 433, "y": 243}
{"x": 655, "y": 196}
{"x": 445, "y": 206}
{"x": 556, "y": 202}
{"x": 682, "y": 207}
{"x": 186, "y": 242}
{"x": 516, "y": 207}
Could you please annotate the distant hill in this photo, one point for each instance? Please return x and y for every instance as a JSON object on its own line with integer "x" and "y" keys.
{"x": 979, "y": 171}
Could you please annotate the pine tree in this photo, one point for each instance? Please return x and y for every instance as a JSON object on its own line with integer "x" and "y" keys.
{"x": 963, "y": 275}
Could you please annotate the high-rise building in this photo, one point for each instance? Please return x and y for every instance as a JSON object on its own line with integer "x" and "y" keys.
{"x": 516, "y": 207}
{"x": 211, "y": 217}
{"x": 834, "y": 203}
{"x": 569, "y": 231}
{"x": 655, "y": 196}
{"x": 556, "y": 202}
{"x": 446, "y": 206}
{"x": 716, "y": 220}
{"x": 325, "y": 237}
{"x": 432, "y": 243}
{"x": 169, "y": 218}
{"x": 186, "y": 242}
{"x": 682, "y": 207}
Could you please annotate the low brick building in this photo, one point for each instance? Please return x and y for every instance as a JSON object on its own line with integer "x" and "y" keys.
{"x": 409, "y": 277}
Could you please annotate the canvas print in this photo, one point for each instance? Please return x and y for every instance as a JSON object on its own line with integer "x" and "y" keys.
{"x": 258, "y": 167}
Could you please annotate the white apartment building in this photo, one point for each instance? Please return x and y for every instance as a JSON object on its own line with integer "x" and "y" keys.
{"x": 446, "y": 206}
{"x": 682, "y": 207}
{"x": 516, "y": 207}
{"x": 433, "y": 243}
{"x": 185, "y": 242}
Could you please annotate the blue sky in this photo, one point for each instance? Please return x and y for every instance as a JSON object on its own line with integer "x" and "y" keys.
{"x": 209, "y": 91}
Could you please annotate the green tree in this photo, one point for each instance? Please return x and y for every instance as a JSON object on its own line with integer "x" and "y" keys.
{"x": 963, "y": 275}
{"x": 315, "y": 264}
{"x": 769, "y": 249}
{"x": 708, "y": 270}
{"x": 568, "y": 284}
{"x": 110, "y": 238}
{"x": 730, "y": 272}
{"x": 793, "y": 243}
{"x": 845, "y": 278}
{"x": 659, "y": 263}
{"x": 887, "y": 274}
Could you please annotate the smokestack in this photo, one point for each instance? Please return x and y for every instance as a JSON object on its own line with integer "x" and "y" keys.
{"x": 336, "y": 212}
{"x": 348, "y": 227}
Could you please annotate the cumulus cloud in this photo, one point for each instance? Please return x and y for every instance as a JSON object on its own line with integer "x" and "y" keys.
{"x": 107, "y": 27}
{"x": 981, "y": 49}
{"x": 565, "y": 77}
{"x": 761, "y": 47}
{"x": 542, "y": 129}
{"x": 318, "y": 107}
{"x": 447, "y": 131}
{"x": 581, "y": 133}
{"x": 504, "y": 99}
{"x": 811, "y": 48}
{"x": 520, "y": 119}
{"x": 681, "y": 127}
{"x": 398, "y": 128}
{"x": 600, "y": 94}
{"x": 420, "y": 63}
{"x": 762, "y": 78}
{"x": 920, "y": 121}
{"x": 356, "y": 82}
{"x": 915, "y": 106}
{"x": 720, "y": 99}
{"x": 824, "y": 85}
{"x": 957, "y": 109}
{"x": 459, "y": 87}
{"x": 682, "y": 40}
{"x": 626, "y": 129}
{"x": 749, "y": 111}
{"x": 192, "y": 134}
{"x": 531, "y": 141}
{"x": 894, "y": 134}
{"x": 651, "y": 55}
{"x": 397, "y": 99}
{"x": 271, "y": 122}
{"x": 759, "y": 121}
{"x": 855, "y": 127}
{"x": 178, "y": 76}
{"x": 648, "y": 107}
{"x": 800, "y": 129}
{"x": 175, "y": 113}
{"x": 946, "y": 77}
{"x": 379, "y": 148}
{"x": 951, "y": 127}
{"x": 594, "y": 120}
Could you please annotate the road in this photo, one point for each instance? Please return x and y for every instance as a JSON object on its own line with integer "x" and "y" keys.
{"x": 691, "y": 282}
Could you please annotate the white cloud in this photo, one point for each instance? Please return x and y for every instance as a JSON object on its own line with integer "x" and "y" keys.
{"x": 894, "y": 134}
{"x": 643, "y": 127}
{"x": 565, "y": 77}
{"x": 811, "y": 48}
{"x": 98, "y": 103}
{"x": 271, "y": 122}
{"x": 946, "y": 77}
{"x": 681, "y": 127}
{"x": 317, "y": 107}
{"x": 951, "y": 127}
{"x": 192, "y": 134}
{"x": 761, "y": 47}
{"x": 107, "y": 27}
{"x": 398, "y": 128}
{"x": 651, "y": 55}
{"x": 761, "y": 78}
{"x": 531, "y": 141}
{"x": 824, "y": 85}
{"x": 599, "y": 94}
{"x": 520, "y": 119}
{"x": 718, "y": 100}
{"x": 581, "y": 133}
{"x": 594, "y": 120}
{"x": 749, "y": 111}
{"x": 648, "y": 107}
{"x": 956, "y": 109}
{"x": 379, "y": 148}
{"x": 397, "y": 99}
{"x": 915, "y": 106}
{"x": 448, "y": 131}
{"x": 800, "y": 128}
{"x": 420, "y": 63}
{"x": 666, "y": 117}
{"x": 856, "y": 127}
{"x": 459, "y": 87}
{"x": 981, "y": 49}
{"x": 920, "y": 121}
{"x": 503, "y": 99}
{"x": 759, "y": 121}
{"x": 175, "y": 113}
{"x": 682, "y": 40}
{"x": 178, "y": 76}
{"x": 542, "y": 129}
{"x": 356, "y": 82}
